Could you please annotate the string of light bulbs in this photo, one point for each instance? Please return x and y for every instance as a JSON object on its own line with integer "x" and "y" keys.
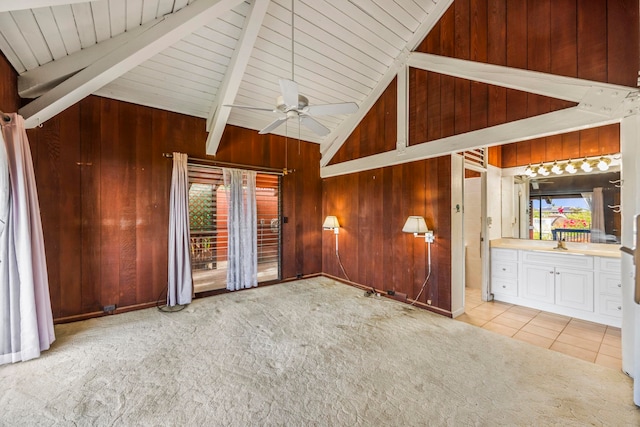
{"x": 570, "y": 166}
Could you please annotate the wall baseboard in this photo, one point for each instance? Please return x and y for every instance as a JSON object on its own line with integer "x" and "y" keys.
{"x": 383, "y": 293}
{"x": 92, "y": 315}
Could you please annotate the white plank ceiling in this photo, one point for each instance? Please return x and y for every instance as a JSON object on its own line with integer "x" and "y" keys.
{"x": 344, "y": 51}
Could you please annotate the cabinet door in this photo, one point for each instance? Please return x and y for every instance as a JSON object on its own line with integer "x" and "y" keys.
{"x": 538, "y": 282}
{"x": 574, "y": 288}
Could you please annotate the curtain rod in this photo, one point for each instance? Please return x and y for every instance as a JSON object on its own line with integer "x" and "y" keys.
{"x": 272, "y": 171}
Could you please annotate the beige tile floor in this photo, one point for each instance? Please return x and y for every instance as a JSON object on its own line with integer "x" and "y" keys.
{"x": 589, "y": 341}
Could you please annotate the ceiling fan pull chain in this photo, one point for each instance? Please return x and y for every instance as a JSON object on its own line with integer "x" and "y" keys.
{"x": 299, "y": 125}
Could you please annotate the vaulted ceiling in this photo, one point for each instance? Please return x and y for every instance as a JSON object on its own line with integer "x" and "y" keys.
{"x": 194, "y": 56}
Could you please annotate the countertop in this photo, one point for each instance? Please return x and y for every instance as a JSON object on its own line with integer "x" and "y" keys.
{"x": 593, "y": 249}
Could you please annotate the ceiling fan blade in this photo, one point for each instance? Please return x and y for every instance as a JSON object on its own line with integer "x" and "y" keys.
{"x": 289, "y": 90}
{"x": 248, "y": 107}
{"x": 273, "y": 125}
{"x": 332, "y": 109}
{"x": 314, "y": 125}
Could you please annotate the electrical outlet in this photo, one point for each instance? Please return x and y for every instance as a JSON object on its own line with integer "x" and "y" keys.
{"x": 109, "y": 308}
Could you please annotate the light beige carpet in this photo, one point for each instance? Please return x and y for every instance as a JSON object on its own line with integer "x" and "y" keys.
{"x": 312, "y": 352}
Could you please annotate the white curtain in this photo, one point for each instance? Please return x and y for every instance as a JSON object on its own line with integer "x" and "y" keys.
{"x": 242, "y": 252}
{"x": 180, "y": 283}
{"x": 25, "y": 307}
{"x": 597, "y": 217}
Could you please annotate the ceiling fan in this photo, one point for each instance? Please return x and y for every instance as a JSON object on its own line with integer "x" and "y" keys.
{"x": 291, "y": 104}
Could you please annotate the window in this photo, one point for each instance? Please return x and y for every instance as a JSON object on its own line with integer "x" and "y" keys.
{"x": 208, "y": 209}
{"x": 561, "y": 217}
{"x": 575, "y": 208}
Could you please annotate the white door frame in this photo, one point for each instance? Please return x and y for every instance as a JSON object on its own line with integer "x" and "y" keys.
{"x": 484, "y": 230}
{"x": 458, "y": 167}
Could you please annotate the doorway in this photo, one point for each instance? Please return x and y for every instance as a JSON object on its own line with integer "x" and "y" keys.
{"x": 469, "y": 229}
{"x": 473, "y": 236}
{"x": 208, "y": 209}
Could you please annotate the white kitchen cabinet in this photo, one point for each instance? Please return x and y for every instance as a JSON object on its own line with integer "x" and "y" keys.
{"x": 504, "y": 272}
{"x": 550, "y": 278}
{"x": 609, "y": 295}
{"x": 538, "y": 283}
{"x": 610, "y": 306}
{"x": 558, "y": 285}
{"x": 587, "y": 287}
{"x": 574, "y": 288}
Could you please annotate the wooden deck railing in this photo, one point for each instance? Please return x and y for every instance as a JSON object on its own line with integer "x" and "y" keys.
{"x": 571, "y": 234}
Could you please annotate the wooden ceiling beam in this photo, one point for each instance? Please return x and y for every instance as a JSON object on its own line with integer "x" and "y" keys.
{"x": 551, "y": 85}
{"x": 173, "y": 28}
{"x": 218, "y": 115}
{"x": 337, "y": 138}
{"x": 37, "y": 81}
{"x": 567, "y": 120}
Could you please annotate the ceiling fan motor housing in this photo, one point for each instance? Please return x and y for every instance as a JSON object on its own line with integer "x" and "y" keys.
{"x": 283, "y": 107}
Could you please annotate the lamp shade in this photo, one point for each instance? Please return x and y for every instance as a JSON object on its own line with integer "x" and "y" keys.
{"x": 415, "y": 224}
{"x": 331, "y": 222}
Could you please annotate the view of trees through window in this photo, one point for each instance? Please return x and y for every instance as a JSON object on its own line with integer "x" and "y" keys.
{"x": 570, "y": 214}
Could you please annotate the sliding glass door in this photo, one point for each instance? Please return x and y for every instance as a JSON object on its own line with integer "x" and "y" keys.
{"x": 208, "y": 208}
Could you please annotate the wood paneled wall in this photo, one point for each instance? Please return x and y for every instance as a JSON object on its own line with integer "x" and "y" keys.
{"x": 377, "y": 132}
{"x": 589, "y": 39}
{"x": 573, "y": 145}
{"x": 596, "y": 40}
{"x": 9, "y": 100}
{"x": 372, "y": 207}
{"x": 104, "y": 193}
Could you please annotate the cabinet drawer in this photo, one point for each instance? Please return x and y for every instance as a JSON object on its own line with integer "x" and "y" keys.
{"x": 610, "y": 284}
{"x": 610, "y": 306}
{"x": 505, "y": 270}
{"x": 498, "y": 254}
{"x": 504, "y": 287}
{"x": 609, "y": 264}
{"x": 558, "y": 259}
